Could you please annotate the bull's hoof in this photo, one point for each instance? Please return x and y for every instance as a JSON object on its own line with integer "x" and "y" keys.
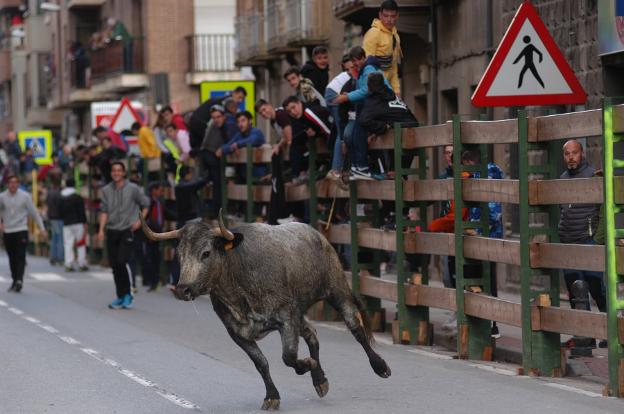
{"x": 271, "y": 404}
{"x": 380, "y": 367}
{"x": 322, "y": 389}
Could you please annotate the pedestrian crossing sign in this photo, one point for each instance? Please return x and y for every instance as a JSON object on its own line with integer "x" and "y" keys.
{"x": 41, "y": 144}
{"x": 528, "y": 68}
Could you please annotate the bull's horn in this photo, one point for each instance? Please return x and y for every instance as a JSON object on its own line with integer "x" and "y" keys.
{"x": 174, "y": 234}
{"x": 228, "y": 235}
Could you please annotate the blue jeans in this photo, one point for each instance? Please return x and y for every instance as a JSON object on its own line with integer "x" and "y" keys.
{"x": 57, "y": 252}
{"x": 359, "y": 148}
{"x": 337, "y": 158}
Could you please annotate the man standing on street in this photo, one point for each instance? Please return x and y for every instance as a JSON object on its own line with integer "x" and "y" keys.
{"x": 382, "y": 41}
{"x": 74, "y": 219}
{"x": 578, "y": 224}
{"x": 15, "y": 206}
{"x": 121, "y": 201}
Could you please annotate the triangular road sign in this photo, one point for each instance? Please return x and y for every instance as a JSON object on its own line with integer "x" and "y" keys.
{"x": 124, "y": 117}
{"x": 528, "y": 68}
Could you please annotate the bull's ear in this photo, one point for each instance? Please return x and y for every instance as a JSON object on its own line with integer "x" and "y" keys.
{"x": 223, "y": 244}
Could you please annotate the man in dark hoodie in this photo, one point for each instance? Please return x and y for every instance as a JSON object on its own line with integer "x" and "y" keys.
{"x": 317, "y": 69}
{"x": 382, "y": 108}
{"x": 74, "y": 227}
{"x": 578, "y": 223}
{"x": 188, "y": 204}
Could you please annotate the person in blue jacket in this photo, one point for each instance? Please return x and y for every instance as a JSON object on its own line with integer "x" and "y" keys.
{"x": 246, "y": 135}
{"x": 358, "y": 147}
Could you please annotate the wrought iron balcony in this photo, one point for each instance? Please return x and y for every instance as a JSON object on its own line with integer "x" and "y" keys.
{"x": 211, "y": 52}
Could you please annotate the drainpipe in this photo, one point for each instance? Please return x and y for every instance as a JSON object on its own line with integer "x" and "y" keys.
{"x": 433, "y": 38}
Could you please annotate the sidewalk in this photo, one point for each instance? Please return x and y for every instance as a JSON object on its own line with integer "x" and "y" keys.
{"x": 508, "y": 348}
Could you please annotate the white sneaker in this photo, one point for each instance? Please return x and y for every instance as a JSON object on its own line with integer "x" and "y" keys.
{"x": 360, "y": 174}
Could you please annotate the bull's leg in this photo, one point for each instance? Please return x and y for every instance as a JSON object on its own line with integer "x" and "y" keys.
{"x": 318, "y": 376}
{"x": 272, "y": 399}
{"x": 290, "y": 347}
{"x": 353, "y": 319}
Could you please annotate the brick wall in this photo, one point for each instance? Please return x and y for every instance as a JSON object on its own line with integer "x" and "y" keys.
{"x": 165, "y": 28}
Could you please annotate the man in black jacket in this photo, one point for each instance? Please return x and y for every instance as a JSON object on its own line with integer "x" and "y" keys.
{"x": 382, "y": 107}
{"x": 578, "y": 224}
{"x": 317, "y": 69}
{"x": 188, "y": 204}
{"x": 74, "y": 227}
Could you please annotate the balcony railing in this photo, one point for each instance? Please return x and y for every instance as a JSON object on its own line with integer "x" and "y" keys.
{"x": 258, "y": 44}
{"x": 117, "y": 58}
{"x": 276, "y": 26}
{"x": 307, "y": 22}
{"x": 211, "y": 53}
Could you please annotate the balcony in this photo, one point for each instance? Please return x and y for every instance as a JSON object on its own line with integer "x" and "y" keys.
{"x": 84, "y": 3}
{"x": 277, "y": 41}
{"x": 362, "y": 12}
{"x": 211, "y": 57}
{"x": 306, "y": 22}
{"x": 80, "y": 92}
{"x": 118, "y": 67}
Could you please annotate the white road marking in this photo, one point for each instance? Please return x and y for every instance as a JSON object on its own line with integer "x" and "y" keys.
{"x": 178, "y": 400}
{"x": 48, "y": 328}
{"x": 429, "y": 354}
{"x": 137, "y": 378}
{"x": 69, "y": 340}
{"x": 495, "y": 370}
{"x": 47, "y": 277}
{"x": 573, "y": 389}
{"x": 31, "y": 319}
{"x": 3, "y": 279}
{"x": 169, "y": 396}
{"x": 101, "y": 275}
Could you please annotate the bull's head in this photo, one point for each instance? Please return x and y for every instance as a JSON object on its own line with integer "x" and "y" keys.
{"x": 202, "y": 254}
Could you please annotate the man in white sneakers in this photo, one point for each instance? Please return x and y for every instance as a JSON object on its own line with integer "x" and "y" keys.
{"x": 74, "y": 227}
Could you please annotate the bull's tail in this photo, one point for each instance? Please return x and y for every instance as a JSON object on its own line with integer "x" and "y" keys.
{"x": 364, "y": 318}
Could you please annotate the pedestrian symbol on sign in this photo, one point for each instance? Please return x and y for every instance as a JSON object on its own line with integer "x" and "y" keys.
{"x": 527, "y": 53}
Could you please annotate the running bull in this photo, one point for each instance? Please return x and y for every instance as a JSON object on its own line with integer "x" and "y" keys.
{"x": 263, "y": 278}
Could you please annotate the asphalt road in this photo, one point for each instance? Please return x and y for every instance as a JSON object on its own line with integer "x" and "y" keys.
{"x": 63, "y": 351}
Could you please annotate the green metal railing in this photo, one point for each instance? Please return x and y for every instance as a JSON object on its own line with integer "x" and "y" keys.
{"x": 615, "y": 304}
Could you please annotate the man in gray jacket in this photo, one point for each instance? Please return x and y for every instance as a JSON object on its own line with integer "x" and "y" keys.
{"x": 119, "y": 216}
{"x": 15, "y": 206}
{"x": 578, "y": 223}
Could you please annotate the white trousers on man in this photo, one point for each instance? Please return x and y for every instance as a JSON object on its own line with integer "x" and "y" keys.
{"x": 72, "y": 234}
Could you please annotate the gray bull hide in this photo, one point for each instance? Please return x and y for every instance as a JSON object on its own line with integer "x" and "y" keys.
{"x": 264, "y": 278}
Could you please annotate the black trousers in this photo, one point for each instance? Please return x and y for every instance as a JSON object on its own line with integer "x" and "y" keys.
{"x": 212, "y": 170}
{"x": 151, "y": 265}
{"x": 15, "y": 244}
{"x": 119, "y": 244}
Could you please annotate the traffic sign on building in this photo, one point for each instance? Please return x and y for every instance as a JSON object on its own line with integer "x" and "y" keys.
{"x": 528, "y": 68}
